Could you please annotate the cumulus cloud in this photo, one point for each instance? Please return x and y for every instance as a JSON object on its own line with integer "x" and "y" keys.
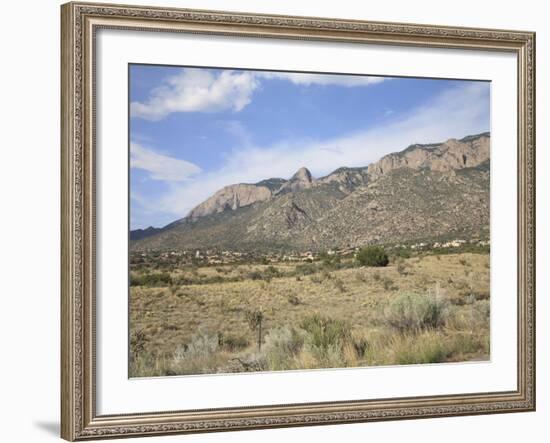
{"x": 159, "y": 166}
{"x": 201, "y": 90}
{"x": 455, "y": 113}
{"x": 197, "y": 90}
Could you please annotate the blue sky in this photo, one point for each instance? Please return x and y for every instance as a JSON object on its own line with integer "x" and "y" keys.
{"x": 195, "y": 130}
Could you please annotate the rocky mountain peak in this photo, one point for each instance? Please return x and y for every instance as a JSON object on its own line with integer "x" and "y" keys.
{"x": 302, "y": 175}
{"x": 302, "y": 179}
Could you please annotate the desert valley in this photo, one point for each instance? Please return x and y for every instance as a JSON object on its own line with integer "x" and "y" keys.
{"x": 378, "y": 265}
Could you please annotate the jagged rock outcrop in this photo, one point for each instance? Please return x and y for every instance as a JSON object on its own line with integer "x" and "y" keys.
{"x": 302, "y": 179}
{"x": 451, "y": 155}
{"x": 231, "y": 198}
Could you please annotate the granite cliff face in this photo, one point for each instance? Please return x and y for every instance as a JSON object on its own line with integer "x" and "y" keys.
{"x": 431, "y": 191}
{"x": 451, "y": 155}
{"x": 231, "y": 197}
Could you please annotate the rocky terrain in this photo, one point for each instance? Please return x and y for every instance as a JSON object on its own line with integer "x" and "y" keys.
{"x": 232, "y": 198}
{"x": 434, "y": 191}
{"x": 449, "y": 156}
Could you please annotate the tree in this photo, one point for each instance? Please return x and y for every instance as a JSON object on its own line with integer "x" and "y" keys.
{"x": 372, "y": 256}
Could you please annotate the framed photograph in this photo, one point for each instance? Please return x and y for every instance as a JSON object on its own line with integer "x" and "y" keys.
{"x": 277, "y": 221}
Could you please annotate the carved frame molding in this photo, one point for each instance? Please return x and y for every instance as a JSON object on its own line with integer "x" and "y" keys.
{"x": 80, "y": 21}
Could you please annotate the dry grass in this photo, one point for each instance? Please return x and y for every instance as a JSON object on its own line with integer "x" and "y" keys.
{"x": 202, "y": 327}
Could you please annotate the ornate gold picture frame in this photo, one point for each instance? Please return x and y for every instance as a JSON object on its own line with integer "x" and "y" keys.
{"x": 80, "y": 23}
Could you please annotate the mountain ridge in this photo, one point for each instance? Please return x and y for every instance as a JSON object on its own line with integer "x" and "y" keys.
{"x": 296, "y": 212}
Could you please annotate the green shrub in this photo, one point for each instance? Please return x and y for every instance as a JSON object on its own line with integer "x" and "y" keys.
{"x": 272, "y": 271}
{"x": 305, "y": 269}
{"x": 372, "y": 256}
{"x": 201, "y": 344}
{"x": 333, "y": 262}
{"x": 199, "y": 356}
{"x": 402, "y": 252}
{"x": 255, "y": 275}
{"x": 154, "y": 279}
{"x": 411, "y": 311}
{"x": 324, "y": 332}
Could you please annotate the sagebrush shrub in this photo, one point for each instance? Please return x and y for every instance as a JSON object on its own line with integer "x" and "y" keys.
{"x": 412, "y": 311}
{"x": 201, "y": 355}
{"x": 281, "y": 346}
{"x": 202, "y": 344}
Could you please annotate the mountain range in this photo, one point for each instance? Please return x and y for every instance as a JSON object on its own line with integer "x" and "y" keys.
{"x": 424, "y": 192}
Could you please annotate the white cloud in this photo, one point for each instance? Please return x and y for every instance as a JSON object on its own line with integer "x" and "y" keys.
{"x": 159, "y": 166}
{"x": 307, "y": 79}
{"x": 458, "y": 112}
{"x": 199, "y": 90}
